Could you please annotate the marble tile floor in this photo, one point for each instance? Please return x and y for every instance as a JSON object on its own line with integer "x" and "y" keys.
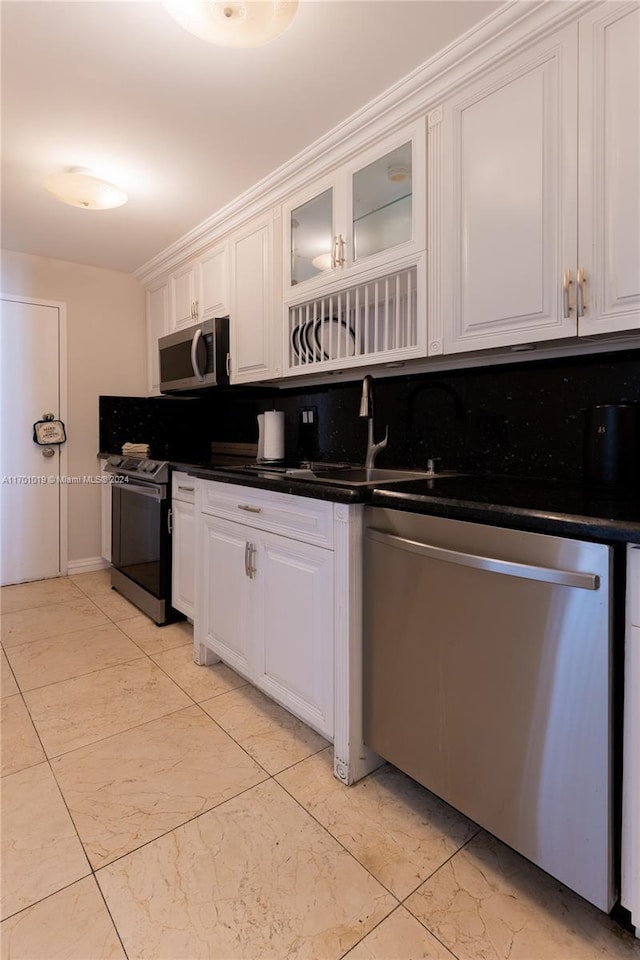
{"x": 156, "y": 810}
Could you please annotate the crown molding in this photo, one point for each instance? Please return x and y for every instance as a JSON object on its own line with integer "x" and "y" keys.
{"x": 517, "y": 25}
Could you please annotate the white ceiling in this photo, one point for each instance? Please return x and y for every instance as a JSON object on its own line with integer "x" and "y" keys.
{"x": 182, "y": 126}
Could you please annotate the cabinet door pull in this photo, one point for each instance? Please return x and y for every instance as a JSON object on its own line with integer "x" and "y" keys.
{"x": 566, "y": 294}
{"x": 249, "y": 568}
{"x": 170, "y": 521}
{"x": 249, "y": 508}
{"x": 338, "y": 251}
{"x": 228, "y": 364}
{"x": 187, "y": 489}
{"x": 581, "y": 283}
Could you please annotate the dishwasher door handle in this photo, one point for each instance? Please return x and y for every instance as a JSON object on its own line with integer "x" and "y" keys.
{"x": 564, "y": 578}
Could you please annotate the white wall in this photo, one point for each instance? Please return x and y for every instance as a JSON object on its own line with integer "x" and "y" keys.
{"x": 106, "y": 354}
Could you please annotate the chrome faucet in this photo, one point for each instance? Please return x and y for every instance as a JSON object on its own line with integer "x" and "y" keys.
{"x": 366, "y": 410}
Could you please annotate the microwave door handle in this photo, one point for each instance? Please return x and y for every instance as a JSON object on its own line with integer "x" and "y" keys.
{"x": 194, "y": 354}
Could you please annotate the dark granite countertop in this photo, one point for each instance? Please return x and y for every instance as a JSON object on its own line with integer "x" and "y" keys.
{"x": 280, "y": 483}
{"x": 545, "y": 506}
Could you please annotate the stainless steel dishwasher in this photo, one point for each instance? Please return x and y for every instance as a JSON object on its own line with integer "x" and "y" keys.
{"x": 487, "y": 678}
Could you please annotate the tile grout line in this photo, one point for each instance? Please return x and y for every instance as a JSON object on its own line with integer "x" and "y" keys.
{"x": 268, "y": 777}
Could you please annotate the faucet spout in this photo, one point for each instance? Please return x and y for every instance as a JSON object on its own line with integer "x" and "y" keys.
{"x": 366, "y": 410}
{"x": 366, "y": 400}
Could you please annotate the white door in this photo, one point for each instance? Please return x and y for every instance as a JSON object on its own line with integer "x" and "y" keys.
{"x": 31, "y": 495}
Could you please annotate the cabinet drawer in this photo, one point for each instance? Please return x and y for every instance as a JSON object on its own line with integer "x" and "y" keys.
{"x": 183, "y": 487}
{"x": 298, "y": 517}
{"x": 633, "y": 586}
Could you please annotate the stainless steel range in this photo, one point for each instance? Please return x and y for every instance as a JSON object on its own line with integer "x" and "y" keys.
{"x": 141, "y": 535}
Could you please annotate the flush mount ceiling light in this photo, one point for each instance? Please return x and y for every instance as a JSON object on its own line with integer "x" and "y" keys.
{"x": 233, "y": 24}
{"x": 322, "y": 261}
{"x": 398, "y": 172}
{"x": 80, "y": 188}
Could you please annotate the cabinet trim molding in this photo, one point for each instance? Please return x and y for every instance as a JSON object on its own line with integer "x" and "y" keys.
{"x": 502, "y": 34}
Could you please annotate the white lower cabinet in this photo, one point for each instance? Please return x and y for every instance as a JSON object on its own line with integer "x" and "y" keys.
{"x": 228, "y": 611}
{"x": 294, "y": 655}
{"x": 268, "y": 613}
{"x": 278, "y": 599}
{"x": 183, "y": 568}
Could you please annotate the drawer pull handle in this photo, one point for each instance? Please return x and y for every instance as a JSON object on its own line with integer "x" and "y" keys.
{"x": 187, "y": 489}
{"x": 249, "y": 508}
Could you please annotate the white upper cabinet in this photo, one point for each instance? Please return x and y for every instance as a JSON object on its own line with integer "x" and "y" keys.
{"x": 255, "y": 297}
{"x": 510, "y": 197}
{"x": 183, "y": 297}
{"x": 212, "y": 287}
{"x": 366, "y": 215}
{"x": 200, "y": 289}
{"x": 541, "y": 190}
{"x": 609, "y": 223}
{"x": 157, "y": 326}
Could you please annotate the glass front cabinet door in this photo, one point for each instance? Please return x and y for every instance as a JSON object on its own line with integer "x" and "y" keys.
{"x": 382, "y": 203}
{"x": 371, "y": 212}
{"x": 312, "y": 237}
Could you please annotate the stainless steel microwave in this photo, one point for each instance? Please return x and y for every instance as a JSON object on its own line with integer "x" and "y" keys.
{"x": 195, "y": 357}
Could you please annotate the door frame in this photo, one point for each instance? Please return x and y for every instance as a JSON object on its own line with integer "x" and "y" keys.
{"x": 61, "y": 307}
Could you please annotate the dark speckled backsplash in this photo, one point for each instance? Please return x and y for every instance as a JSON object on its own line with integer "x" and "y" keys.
{"x": 521, "y": 419}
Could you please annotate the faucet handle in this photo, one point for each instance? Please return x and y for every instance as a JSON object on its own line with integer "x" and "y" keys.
{"x": 377, "y": 447}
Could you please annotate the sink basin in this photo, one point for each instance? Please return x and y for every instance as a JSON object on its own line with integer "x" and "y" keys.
{"x": 355, "y": 476}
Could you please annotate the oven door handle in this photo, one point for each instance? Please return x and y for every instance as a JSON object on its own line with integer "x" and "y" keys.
{"x": 145, "y": 490}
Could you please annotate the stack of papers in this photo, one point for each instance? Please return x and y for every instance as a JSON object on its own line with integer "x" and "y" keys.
{"x": 135, "y": 450}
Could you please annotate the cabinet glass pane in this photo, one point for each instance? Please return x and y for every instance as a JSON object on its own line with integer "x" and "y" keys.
{"x": 312, "y": 237}
{"x": 382, "y": 210}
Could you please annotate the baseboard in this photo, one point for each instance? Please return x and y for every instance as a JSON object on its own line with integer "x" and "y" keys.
{"x": 87, "y": 565}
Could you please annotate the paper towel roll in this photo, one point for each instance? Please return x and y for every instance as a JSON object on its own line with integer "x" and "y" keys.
{"x": 260, "y": 437}
{"x": 274, "y": 435}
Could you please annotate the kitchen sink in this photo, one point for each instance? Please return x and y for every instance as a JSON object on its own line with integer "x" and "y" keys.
{"x": 340, "y": 474}
{"x": 356, "y": 476}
